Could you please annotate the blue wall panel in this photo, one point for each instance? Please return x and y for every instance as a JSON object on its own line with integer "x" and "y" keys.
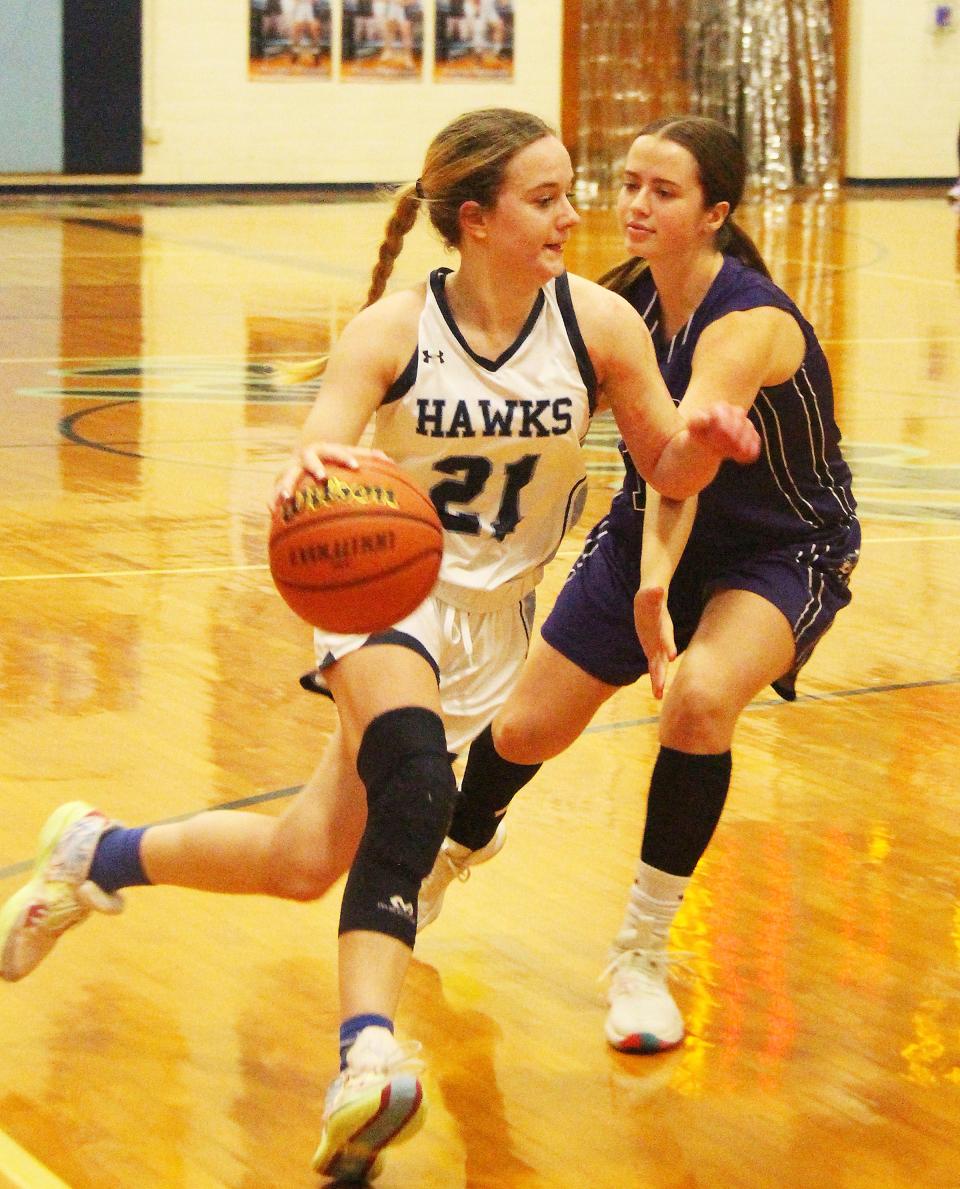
{"x": 31, "y": 86}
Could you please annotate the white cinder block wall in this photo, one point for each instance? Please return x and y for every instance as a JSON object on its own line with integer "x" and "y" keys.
{"x": 212, "y": 124}
{"x": 903, "y": 90}
{"x": 207, "y": 122}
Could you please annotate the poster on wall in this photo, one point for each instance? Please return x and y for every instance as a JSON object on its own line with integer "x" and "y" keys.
{"x": 474, "y": 40}
{"x": 381, "y": 40}
{"x": 290, "y": 39}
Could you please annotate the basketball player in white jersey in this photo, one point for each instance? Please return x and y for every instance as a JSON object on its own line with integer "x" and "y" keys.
{"x": 488, "y": 29}
{"x": 481, "y": 382}
{"x": 305, "y": 31}
{"x": 395, "y": 32}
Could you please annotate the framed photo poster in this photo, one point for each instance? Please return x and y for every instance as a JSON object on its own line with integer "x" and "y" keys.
{"x": 474, "y": 40}
{"x": 290, "y": 39}
{"x": 382, "y": 40}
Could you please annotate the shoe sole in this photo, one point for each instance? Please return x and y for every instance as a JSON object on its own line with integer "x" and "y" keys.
{"x": 643, "y": 1042}
{"x": 13, "y": 916}
{"x": 360, "y": 1130}
{"x": 11, "y": 922}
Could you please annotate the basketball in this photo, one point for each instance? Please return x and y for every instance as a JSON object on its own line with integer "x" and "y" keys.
{"x": 356, "y": 551}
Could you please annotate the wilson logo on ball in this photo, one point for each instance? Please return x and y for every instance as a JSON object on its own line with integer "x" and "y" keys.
{"x": 356, "y": 551}
{"x": 311, "y": 497}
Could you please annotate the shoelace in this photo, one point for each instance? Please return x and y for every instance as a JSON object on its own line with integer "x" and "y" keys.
{"x": 406, "y": 1057}
{"x": 57, "y": 913}
{"x": 458, "y": 869}
{"x": 461, "y": 869}
{"x": 648, "y": 963}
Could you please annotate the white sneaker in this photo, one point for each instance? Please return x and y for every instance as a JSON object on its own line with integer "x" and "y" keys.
{"x": 376, "y": 1100}
{"x": 59, "y": 895}
{"x": 953, "y": 194}
{"x": 643, "y": 1017}
{"x": 453, "y": 862}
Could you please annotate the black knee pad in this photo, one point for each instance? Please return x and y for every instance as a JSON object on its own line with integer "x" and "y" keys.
{"x": 404, "y": 764}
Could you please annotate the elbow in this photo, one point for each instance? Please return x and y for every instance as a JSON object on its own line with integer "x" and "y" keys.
{"x": 674, "y": 489}
{"x": 680, "y": 487}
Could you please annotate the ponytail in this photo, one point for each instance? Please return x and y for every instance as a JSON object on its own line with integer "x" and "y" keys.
{"x": 732, "y": 240}
{"x": 622, "y": 276}
{"x": 403, "y": 217}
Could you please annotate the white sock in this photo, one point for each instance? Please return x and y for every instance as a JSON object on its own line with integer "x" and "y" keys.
{"x": 456, "y": 850}
{"x": 654, "y": 902}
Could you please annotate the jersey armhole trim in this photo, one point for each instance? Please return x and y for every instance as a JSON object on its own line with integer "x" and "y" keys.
{"x": 582, "y": 355}
{"x": 405, "y": 381}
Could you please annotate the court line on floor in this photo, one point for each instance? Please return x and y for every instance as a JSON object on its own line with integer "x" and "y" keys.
{"x": 146, "y": 573}
{"x": 239, "y": 567}
{"x": 26, "y": 1172}
{"x": 801, "y": 699}
{"x": 23, "y": 1170}
{"x": 597, "y": 728}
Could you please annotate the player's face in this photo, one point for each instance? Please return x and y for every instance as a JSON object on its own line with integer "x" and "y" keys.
{"x": 660, "y": 205}
{"x": 533, "y": 218}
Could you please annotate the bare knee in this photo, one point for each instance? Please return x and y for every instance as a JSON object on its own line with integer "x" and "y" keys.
{"x": 698, "y": 716}
{"x": 303, "y": 881}
{"x": 302, "y": 872}
{"x": 525, "y": 738}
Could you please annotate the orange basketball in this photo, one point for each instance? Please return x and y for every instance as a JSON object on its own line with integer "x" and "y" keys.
{"x": 357, "y": 551}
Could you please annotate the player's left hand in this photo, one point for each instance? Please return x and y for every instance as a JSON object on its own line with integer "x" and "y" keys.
{"x": 655, "y": 633}
{"x": 726, "y": 430}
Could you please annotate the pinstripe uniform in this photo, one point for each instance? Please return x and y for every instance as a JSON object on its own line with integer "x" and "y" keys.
{"x": 784, "y": 527}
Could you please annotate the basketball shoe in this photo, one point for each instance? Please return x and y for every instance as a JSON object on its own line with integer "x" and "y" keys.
{"x": 453, "y": 862}
{"x": 643, "y": 1017}
{"x": 59, "y": 895}
{"x": 377, "y": 1099}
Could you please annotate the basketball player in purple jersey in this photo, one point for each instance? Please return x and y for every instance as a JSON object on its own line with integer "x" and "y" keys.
{"x": 765, "y": 557}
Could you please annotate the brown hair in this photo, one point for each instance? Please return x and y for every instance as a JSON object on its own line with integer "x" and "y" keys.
{"x": 723, "y": 170}
{"x": 466, "y": 161}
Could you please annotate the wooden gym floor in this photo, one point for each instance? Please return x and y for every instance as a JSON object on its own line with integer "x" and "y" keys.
{"x": 148, "y": 666}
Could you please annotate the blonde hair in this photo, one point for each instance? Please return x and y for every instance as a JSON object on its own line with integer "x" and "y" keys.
{"x": 466, "y": 162}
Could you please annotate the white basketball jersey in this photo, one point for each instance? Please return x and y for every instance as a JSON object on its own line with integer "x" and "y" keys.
{"x": 495, "y": 443}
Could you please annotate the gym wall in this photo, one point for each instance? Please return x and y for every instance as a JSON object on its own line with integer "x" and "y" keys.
{"x": 204, "y": 122}
{"x": 902, "y": 89}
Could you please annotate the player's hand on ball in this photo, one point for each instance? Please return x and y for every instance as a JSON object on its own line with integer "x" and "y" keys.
{"x": 727, "y": 431}
{"x": 357, "y": 550}
{"x": 309, "y": 457}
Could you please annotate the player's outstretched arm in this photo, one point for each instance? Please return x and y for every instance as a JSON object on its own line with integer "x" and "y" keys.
{"x": 676, "y": 458}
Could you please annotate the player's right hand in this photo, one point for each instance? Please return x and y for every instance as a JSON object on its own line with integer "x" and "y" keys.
{"x": 309, "y": 459}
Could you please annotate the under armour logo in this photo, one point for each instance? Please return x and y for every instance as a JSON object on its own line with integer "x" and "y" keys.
{"x": 427, "y": 356}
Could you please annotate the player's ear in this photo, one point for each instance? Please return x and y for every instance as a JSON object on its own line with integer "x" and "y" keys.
{"x": 716, "y": 215}
{"x": 473, "y": 219}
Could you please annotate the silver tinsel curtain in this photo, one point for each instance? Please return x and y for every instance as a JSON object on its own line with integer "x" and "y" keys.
{"x": 764, "y": 67}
